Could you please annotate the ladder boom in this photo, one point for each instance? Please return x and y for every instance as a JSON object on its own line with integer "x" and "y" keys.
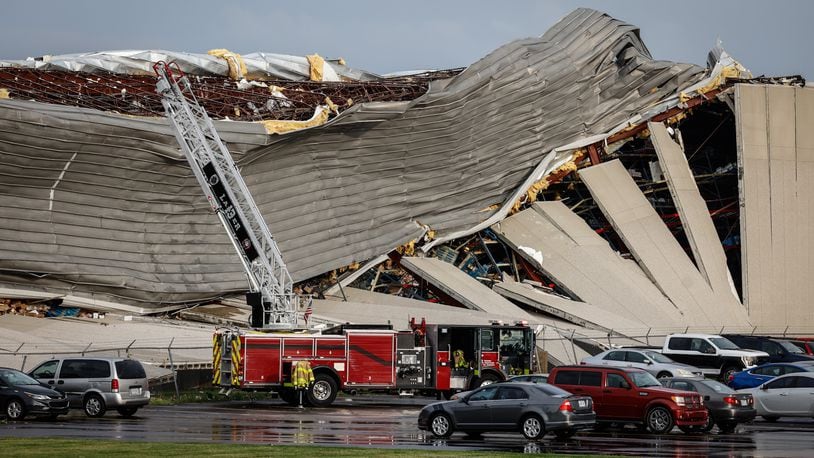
{"x": 229, "y": 196}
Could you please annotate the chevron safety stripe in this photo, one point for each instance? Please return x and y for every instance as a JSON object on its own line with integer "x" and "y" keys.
{"x": 216, "y": 358}
{"x": 235, "y": 360}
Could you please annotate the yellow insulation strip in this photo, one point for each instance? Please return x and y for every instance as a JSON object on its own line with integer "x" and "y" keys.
{"x": 237, "y": 68}
{"x": 4, "y": 93}
{"x": 317, "y": 63}
{"x": 542, "y": 184}
{"x": 275, "y": 126}
{"x": 731, "y": 71}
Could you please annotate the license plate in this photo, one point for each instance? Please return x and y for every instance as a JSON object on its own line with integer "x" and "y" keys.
{"x": 744, "y": 402}
{"x": 135, "y": 391}
{"x": 582, "y": 403}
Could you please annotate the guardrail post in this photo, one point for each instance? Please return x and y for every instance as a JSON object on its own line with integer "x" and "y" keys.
{"x": 172, "y": 367}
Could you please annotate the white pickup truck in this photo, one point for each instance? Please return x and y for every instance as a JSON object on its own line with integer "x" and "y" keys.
{"x": 715, "y": 355}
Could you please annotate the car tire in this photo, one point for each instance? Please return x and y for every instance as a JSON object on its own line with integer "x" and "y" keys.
{"x": 770, "y": 418}
{"x": 486, "y": 379}
{"x": 663, "y": 374}
{"x": 127, "y": 412}
{"x": 323, "y": 391}
{"x": 441, "y": 425}
{"x": 727, "y": 427}
{"x": 659, "y": 420}
{"x": 532, "y": 427}
{"x": 709, "y": 424}
{"x": 94, "y": 406}
{"x": 15, "y": 410}
{"x": 564, "y": 433}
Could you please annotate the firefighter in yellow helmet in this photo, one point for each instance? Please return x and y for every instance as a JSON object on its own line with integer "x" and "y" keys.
{"x": 302, "y": 377}
{"x": 459, "y": 360}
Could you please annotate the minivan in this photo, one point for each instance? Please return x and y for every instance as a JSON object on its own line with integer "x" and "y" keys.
{"x": 97, "y": 384}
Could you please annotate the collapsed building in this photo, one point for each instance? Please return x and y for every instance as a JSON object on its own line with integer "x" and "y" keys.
{"x": 569, "y": 180}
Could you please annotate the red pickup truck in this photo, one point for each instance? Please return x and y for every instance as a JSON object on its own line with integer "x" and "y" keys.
{"x": 630, "y": 395}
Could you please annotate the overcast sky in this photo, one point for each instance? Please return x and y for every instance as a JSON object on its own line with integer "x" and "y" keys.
{"x": 768, "y": 37}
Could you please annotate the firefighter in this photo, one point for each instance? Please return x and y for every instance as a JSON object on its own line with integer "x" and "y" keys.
{"x": 459, "y": 360}
{"x": 302, "y": 377}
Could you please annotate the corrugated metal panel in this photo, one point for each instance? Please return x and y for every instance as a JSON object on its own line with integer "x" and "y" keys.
{"x": 348, "y": 191}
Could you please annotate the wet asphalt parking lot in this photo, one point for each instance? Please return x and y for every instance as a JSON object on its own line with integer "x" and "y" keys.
{"x": 390, "y": 422}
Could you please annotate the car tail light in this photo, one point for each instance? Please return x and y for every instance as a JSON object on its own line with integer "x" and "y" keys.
{"x": 114, "y": 385}
{"x": 731, "y": 400}
{"x": 751, "y": 400}
{"x": 566, "y": 406}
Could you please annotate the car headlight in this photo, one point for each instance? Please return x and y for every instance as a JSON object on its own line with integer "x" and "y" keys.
{"x": 39, "y": 397}
{"x": 684, "y": 372}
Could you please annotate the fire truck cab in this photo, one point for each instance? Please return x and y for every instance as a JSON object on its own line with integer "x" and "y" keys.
{"x": 373, "y": 357}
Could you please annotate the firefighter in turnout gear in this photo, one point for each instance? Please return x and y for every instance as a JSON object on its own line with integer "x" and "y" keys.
{"x": 302, "y": 376}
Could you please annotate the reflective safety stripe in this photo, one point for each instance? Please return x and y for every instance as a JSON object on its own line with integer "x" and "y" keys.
{"x": 216, "y": 355}
{"x": 236, "y": 360}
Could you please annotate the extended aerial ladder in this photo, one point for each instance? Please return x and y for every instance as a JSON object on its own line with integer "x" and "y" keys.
{"x": 274, "y": 304}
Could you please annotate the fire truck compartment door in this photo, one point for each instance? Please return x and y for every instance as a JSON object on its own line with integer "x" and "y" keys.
{"x": 261, "y": 360}
{"x": 371, "y": 359}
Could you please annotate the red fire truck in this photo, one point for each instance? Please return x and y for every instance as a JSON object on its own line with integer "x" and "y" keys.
{"x": 370, "y": 357}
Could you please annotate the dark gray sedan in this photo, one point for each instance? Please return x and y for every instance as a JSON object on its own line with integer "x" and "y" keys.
{"x": 726, "y": 407}
{"x": 533, "y": 409}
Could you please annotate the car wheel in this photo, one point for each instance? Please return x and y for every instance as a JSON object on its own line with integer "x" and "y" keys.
{"x": 15, "y": 410}
{"x": 770, "y": 419}
{"x": 659, "y": 420}
{"x": 441, "y": 425}
{"x": 709, "y": 424}
{"x": 94, "y": 406}
{"x": 664, "y": 374}
{"x": 564, "y": 433}
{"x": 727, "y": 427}
{"x": 323, "y": 392}
{"x": 127, "y": 412}
{"x": 487, "y": 379}
{"x": 532, "y": 427}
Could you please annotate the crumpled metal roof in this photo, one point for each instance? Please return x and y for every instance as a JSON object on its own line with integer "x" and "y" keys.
{"x": 104, "y": 205}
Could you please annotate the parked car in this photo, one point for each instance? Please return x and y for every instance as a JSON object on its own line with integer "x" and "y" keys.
{"x": 756, "y": 376}
{"x": 631, "y": 395}
{"x": 21, "y": 395}
{"x": 716, "y": 356}
{"x": 652, "y": 361}
{"x": 805, "y": 345}
{"x": 790, "y": 395}
{"x": 533, "y": 409}
{"x": 779, "y": 350}
{"x": 97, "y": 384}
{"x": 726, "y": 407}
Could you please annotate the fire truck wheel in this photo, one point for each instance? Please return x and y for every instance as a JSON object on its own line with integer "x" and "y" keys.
{"x": 323, "y": 392}
{"x": 289, "y": 396}
{"x": 487, "y": 379}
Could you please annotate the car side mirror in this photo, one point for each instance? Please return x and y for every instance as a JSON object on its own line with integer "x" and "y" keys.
{"x": 764, "y": 387}
{"x": 649, "y": 363}
{"x": 706, "y": 398}
{"x": 709, "y": 350}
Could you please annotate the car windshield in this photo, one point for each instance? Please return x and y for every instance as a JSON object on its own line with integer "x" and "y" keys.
{"x": 790, "y": 347}
{"x": 643, "y": 379}
{"x": 551, "y": 390}
{"x": 658, "y": 357}
{"x": 12, "y": 377}
{"x": 724, "y": 343}
{"x": 718, "y": 387}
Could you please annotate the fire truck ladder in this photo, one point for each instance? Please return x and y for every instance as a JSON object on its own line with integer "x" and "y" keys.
{"x": 226, "y": 191}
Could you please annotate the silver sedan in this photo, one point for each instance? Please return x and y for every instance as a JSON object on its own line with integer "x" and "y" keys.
{"x": 652, "y": 361}
{"x": 790, "y": 395}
